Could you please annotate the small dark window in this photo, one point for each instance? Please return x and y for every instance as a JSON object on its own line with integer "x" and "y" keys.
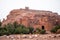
{"x": 42, "y": 27}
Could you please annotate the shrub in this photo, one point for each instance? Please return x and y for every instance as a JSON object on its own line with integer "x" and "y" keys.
{"x": 37, "y": 30}
{"x": 25, "y": 31}
{"x": 15, "y": 24}
{"x": 9, "y": 28}
{"x": 0, "y": 23}
{"x": 57, "y": 27}
{"x": 42, "y": 31}
{"x": 3, "y": 31}
{"x": 54, "y": 30}
{"x": 31, "y": 29}
{"x": 20, "y": 30}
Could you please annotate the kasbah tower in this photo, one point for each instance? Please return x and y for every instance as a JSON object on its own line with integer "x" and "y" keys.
{"x": 34, "y": 18}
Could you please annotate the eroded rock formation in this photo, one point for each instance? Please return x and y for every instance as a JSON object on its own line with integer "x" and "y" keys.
{"x": 35, "y": 18}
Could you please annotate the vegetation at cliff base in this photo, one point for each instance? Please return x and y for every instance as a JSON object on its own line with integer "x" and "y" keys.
{"x": 54, "y": 30}
{"x": 16, "y": 28}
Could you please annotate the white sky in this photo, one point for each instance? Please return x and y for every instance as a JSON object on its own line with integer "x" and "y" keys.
{"x": 7, "y": 5}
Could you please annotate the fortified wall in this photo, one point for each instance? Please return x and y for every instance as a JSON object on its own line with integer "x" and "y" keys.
{"x": 34, "y": 18}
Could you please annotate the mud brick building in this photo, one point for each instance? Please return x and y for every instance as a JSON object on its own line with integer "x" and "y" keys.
{"x": 34, "y": 18}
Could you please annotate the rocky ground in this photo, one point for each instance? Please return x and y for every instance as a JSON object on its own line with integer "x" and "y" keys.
{"x": 31, "y": 37}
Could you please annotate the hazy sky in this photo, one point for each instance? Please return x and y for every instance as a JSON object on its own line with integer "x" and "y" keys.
{"x": 7, "y": 5}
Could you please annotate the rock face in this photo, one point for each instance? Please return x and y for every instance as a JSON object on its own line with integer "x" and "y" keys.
{"x": 35, "y": 18}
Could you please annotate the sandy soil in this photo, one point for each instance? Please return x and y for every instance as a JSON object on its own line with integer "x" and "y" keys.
{"x": 31, "y": 37}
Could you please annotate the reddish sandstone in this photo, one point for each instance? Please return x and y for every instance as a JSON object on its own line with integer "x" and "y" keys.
{"x": 35, "y": 18}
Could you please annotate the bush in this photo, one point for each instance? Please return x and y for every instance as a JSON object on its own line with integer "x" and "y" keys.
{"x": 15, "y": 24}
{"x": 37, "y": 30}
{"x": 54, "y": 30}
{"x": 21, "y": 30}
{"x": 18, "y": 30}
{"x": 0, "y": 23}
{"x": 31, "y": 29}
{"x": 9, "y": 28}
{"x": 57, "y": 27}
{"x": 3, "y": 31}
{"x": 42, "y": 31}
{"x": 25, "y": 31}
